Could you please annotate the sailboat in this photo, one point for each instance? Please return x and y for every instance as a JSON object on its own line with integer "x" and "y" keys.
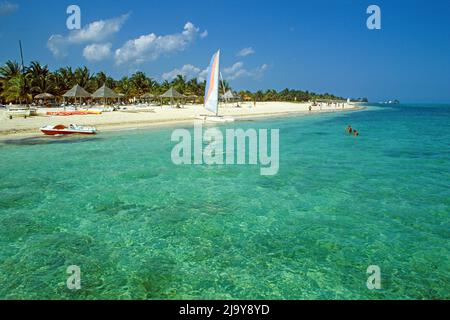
{"x": 212, "y": 92}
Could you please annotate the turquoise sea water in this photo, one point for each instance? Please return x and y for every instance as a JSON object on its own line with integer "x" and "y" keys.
{"x": 140, "y": 227}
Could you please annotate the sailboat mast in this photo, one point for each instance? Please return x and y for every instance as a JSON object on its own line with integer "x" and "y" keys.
{"x": 22, "y": 74}
{"x": 21, "y": 56}
{"x": 218, "y": 70}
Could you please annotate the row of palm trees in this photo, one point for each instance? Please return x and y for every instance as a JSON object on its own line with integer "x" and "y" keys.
{"x": 289, "y": 95}
{"x": 20, "y": 85}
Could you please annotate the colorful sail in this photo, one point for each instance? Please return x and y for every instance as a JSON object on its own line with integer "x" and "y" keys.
{"x": 212, "y": 84}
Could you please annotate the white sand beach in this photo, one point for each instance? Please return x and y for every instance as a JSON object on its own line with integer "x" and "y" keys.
{"x": 149, "y": 116}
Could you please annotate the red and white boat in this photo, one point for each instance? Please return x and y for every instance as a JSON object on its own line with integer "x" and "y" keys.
{"x": 71, "y": 129}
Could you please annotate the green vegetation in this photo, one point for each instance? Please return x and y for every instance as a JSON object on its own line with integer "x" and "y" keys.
{"x": 17, "y": 86}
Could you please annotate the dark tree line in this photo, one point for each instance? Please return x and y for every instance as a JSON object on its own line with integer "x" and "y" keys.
{"x": 17, "y": 85}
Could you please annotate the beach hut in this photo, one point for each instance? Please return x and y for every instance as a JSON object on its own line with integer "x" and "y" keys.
{"x": 147, "y": 97}
{"x": 77, "y": 92}
{"x": 105, "y": 93}
{"x": 230, "y": 97}
{"x": 171, "y": 94}
{"x": 227, "y": 96}
{"x": 43, "y": 97}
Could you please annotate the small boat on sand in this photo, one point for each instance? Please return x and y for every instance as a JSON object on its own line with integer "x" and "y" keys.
{"x": 71, "y": 129}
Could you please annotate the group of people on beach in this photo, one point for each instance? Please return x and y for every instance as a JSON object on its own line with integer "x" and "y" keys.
{"x": 352, "y": 131}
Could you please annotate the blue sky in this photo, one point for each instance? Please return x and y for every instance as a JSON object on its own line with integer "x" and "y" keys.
{"x": 321, "y": 46}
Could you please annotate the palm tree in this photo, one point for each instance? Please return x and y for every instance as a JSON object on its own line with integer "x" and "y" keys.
{"x": 140, "y": 84}
{"x": 110, "y": 83}
{"x": 270, "y": 95}
{"x": 9, "y": 70}
{"x": 43, "y": 84}
{"x": 225, "y": 85}
{"x": 259, "y": 95}
{"x": 39, "y": 78}
{"x": 63, "y": 80}
{"x": 82, "y": 76}
{"x": 153, "y": 86}
{"x": 98, "y": 80}
{"x": 191, "y": 87}
{"x": 124, "y": 86}
{"x": 16, "y": 89}
{"x": 179, "y": 83}
{"x": 164, "y": 86}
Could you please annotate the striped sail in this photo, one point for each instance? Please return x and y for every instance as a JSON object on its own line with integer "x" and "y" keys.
{"x": 212, "y": 85}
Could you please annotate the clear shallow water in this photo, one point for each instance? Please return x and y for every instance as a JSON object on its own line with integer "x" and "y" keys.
{"x": 140, "y": 227}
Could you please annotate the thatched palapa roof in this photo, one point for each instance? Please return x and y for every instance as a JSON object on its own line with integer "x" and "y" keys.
{"x": 105, "y": 92}
{"x": 77, "y": 92}
{"x": 147, "y": 96}
{"x": 44, "y": 96}
{"x": 172, "y": 93}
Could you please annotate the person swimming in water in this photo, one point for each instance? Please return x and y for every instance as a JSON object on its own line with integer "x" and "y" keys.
{"x": 355, "y": 133}
{"x": 349, "y": 129}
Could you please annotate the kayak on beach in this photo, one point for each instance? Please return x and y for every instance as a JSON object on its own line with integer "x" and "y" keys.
{"x": 74, "y": 113}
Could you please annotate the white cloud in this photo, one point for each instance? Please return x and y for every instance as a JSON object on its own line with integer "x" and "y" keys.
{"x": 245, "y": 52}
{"x": 7, "y": 8}
{"x": 96, "y": 31}
{"x": 258, "y": 73}
{"x": 57, "y": 44}
{"x": 234, "y": 68}
{"x": 188, "y": 71}
{"x": 233, "y": 72}
{"x": 237, "y": 70}
{"x": 203, "y": 74}
{"x": 97, "y": 52}
{"x": 150, "y": 47}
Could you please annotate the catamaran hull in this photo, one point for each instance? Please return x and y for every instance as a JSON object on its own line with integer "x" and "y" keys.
{"x": 215, "y": 119}
{"x": 219, "y": 119}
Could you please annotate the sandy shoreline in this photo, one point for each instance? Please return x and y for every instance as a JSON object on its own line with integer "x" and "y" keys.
{"x": 166, "y": 116}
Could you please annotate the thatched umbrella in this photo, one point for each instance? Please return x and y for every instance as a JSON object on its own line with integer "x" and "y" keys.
{"x": 147, "y": 97}
{"x": 105, "y": 93}
{"x": 44, "y": 96}
{"x": 77, "y": 92}
{"x": 172, "y": 94}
